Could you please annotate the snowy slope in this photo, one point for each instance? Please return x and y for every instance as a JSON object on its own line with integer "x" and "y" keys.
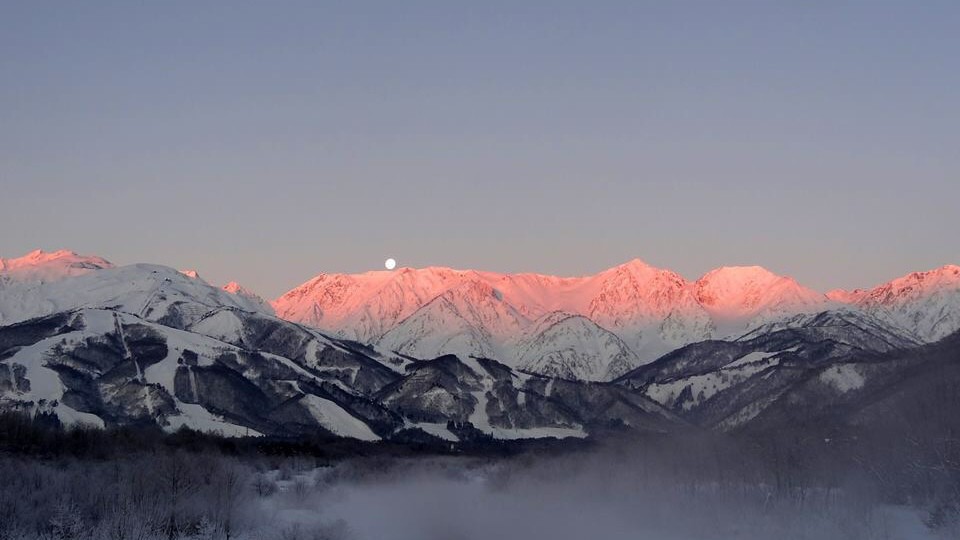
{"x": 725, "y": 384}
{"x": 100, "y": 367}
{"x": 471, "y": 319}
{"x": 571, "y": 346}
{"x": 849, "y": 326}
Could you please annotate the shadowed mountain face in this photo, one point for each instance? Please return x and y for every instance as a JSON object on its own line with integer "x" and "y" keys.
{"x": 728, "y": 384}
{"x": 106, "y": 367}
{"x": 108, "y": 345}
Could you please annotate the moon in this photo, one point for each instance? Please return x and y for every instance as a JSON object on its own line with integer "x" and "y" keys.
{"x": 390, "y": 263}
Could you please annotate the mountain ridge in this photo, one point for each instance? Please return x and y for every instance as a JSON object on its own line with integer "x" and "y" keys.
{"x": 426, "y": 313}
{"x": 94, "y": 343}
{"x": 652, "y": 310}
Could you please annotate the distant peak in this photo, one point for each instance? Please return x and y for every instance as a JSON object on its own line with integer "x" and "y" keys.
{"x": 737, "y": 292}
{"x": 38, "y": 255}
{"x": 847, "y": 297}
{"x": 943, "y": 275}
{"x": 192, "y": 274}
{"x": 635, "y": 269}
{"x": 635, "y": 263}
{"x": 945, "y": 270}
{"x": 233, "y": 287}
{"x": 237, "y": 289}
{"x": 39, "y": 258}
{"x": 916, "y": 285}
{"x": 740, "y": 273}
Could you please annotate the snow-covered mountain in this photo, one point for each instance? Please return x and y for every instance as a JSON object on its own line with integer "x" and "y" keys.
{"x": 363, "y": 307}
{"x": 239, "y": 290}
{"x": 925, "y": 303}
{"x": 105, "y": 345}
{"x": 740, "y": 297}
{"x": 425, "y": 313}
{"x": 725, "y": 384}
{"x": 43, "y": 266}
{"x": 156, "y": 293}
{"x": 650, "y": 311}
{"x": 111, "y": 345}
{"x": 470, "y": 319}
{"x": 569, "y": 346}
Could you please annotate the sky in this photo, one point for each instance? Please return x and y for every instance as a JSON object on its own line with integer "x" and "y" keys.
{"x": 266, "y": 142}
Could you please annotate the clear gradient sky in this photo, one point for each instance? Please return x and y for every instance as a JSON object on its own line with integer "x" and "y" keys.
{"x": 269, "y": 141}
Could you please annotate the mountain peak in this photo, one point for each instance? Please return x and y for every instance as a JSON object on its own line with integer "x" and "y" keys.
{"x": 917, "y": 284}
{"x": 741, "y": 273}
{"x": 46, "y": 265}
{"x": 735, "y": 292}
{"x": 235, "y": 288}
{"x": 633, "y": 266}
{"x": 636, "y": 262}
{"x": 847, "y": 297}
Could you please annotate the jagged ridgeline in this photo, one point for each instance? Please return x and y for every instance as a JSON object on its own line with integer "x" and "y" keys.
{"x": 444, "y": 355}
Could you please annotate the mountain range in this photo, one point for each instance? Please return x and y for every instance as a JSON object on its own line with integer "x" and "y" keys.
{"x": 593, "y": 327}
{"x": 451, "y": 355}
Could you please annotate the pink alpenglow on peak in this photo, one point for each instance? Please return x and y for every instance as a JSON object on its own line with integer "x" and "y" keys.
{"x": 39, "y": 265}
{"x": 236, "y": 289}
{"x": 847, "y": 297}
{"x": 926, "y": 303}
{"x": 430, "y": 311}
{"x": 594, "y": 327}
{"x": 916, "y": 285}
{"x": 911, "y": 287}
{"x": 743, "y": 292}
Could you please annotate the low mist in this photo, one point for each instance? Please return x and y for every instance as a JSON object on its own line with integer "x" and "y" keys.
{"x": 782, "y": 485}
{"x": 613, "y": 493}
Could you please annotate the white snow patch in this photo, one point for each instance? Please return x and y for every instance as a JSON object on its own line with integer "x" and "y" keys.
{"x": 705, "y": 386}
{"x": 334, "y": 418}
{"x": 474, "y": 365}
{"x": 196, "y": 417}
{"x": 72, "y": 417}
{"x": 843, "y": 377}
{"x": 437, "y": 430}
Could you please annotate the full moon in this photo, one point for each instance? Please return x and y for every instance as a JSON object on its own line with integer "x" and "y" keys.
{"x": 390, "y": 264}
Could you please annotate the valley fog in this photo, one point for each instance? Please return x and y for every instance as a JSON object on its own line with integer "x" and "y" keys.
{"x": 659, "y": 488}
{"x": 601, "y": 494}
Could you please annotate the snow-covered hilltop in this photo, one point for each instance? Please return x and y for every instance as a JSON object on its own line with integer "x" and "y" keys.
{"x": 41, "y": 266}
{"x": 63, "y": 283}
